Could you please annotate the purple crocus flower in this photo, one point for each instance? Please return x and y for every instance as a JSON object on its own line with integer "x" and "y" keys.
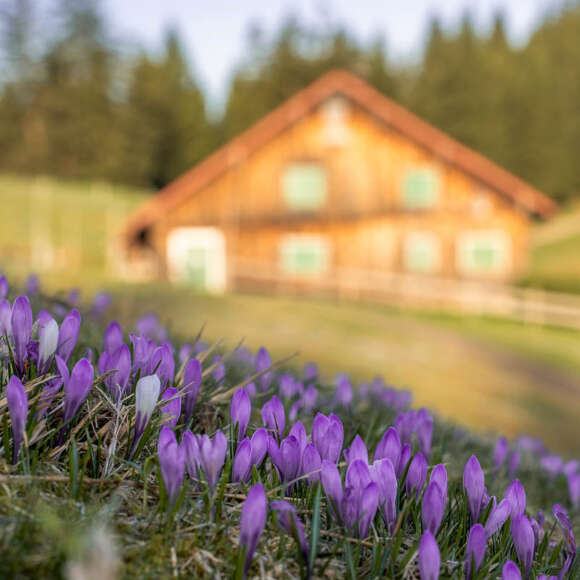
{"x": 311, "y": 463}
{"x": 240, "y": 411}
{"x": 404, "y": 459}
{"x": 286, "y": 458}
{"x": 274, "y": 417}
{"x": 516, "y": 495}
{"x": 192, "y": 376}
{"x": 368, "y": 504}
{"x": 288, "y": 520}
{"x": 383, "y": 474}
{"x": 389, "y": 447}
{"x": 357, "y": 450}
{"x": 163, "y": 364}
{"x": 262, "y": 363}
{"x": 190, "y": 445}
{"x": 344, "y": 393}
{"x": 416, "y": 475}
{"x": 212, "y": 456}
{"x": 259, "y": 446}
{"x": 475, "y": 550}
{"x": 439, "y": 476}
{"x": 113, "y": 337}
{"x": 553, "y": 464}
{"x": 21, "y": 323}
{"x": 17, "y": 402}
{"x": 474, "y": 484}
{"x": 146, "y": 397}
{"x": 68, "y": 334}
{"x": 331, "y": 482}
{"x": 424, "y": 430}
{"x": 299, "y": 431}
{"x": 432, "y": 508}
{"x": 500, "y": 453}
{"x": 172, "y": 463}
{"x": 429, "y": 557}
{"x": 171, "y": 411}
{"x": 253, "y": 521}
{"x": 242, "y": 467}
{"x": 328, "y": 436}
{"x": 510, "y": 571}
{"x": 77, "y": 388}
{"x": 524, "y": 541}
{"x": 3, "y": 287}
{"x": 497, "y": 517}
{"x": 513, "y": 465}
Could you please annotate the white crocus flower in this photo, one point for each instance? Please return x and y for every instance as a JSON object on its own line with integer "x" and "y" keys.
{"x": 146, "y": 397}
{"x": 47, "y": 342}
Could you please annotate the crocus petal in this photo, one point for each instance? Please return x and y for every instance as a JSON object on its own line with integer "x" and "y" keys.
{"x": 273, "y": 416}
{"x": 77, "y": 388}
{"x": 259, "y": 446}
{"x": 368, "y": 508}
{"x": 242, "y": 461}
{"x": 146, "y": 397}
{"x": 172, "y": 410}
{"x": 389, "y": 446}
{"x": 510, "y": 571}
{"x": 416, "y": 475}
{"x": 516, "y": 495}
{"x": 47, "y": 343}
{"x": 17, "y": 402}
{"x": 439, "y": 476}
{"x": 357, "y": 450}
{"x": 21, "y": 322}
{"x": 240, "y": 411}
{"x": 497, "y": 517}
{"x": 311, "y": 463}
{"x": 432, "y": 507}
{"x": 383, "y": 473}
{"x": 474, "y": 484}
{"x": 113, "y": 337}
{"x": 253, "y": 521}
{"x": 172, "y": 463}
{"x": 331, "y": 481}
{"x": 475, "y": 550}
{"x": 429, "y": 557}
{"x": 68, "y": 334}
{"x": 524, "y": 541}
{"x": 192, "y": 376}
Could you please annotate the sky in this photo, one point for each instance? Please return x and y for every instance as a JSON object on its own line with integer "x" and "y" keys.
{"x": 214, "y": 32}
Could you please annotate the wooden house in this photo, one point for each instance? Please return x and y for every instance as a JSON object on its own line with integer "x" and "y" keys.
{"x": 338, "y": 182}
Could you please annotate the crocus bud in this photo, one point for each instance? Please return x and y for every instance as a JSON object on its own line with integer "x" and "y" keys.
{"x": 259, "y": 446}
{"x": 475, "y": 550}
{"x": 357, "y": 450}
{"x": 358, "y": 475}
{"x": 404, "y": 459}
{"x": 416, "y": 475}
{"x": 432, "y": 508}
{"x": 328, "y": 436}
{"x": 163, "y": 364}
{"x": 524, "y": 541}
{"x": 190, "y": 445}
{"x": 424, "y": 429}
{"x": 389, "y": 446}
{"x": 439, "y": 476}
{"x": 382, "y": 472}
{"x": 290, "y": 458}
{"x": 500, "y": 453}
{"x": 273, "y": 416}
{"x": 288, "y": 520}
{"x": 242, "y": 461}
{"x": 474, "y": 484}
{"x": 146, "y": 397}
{"x": 429, "y": 557}
{"x": 17, "y": 402}
{"x": 213, "y": 455}
{"x": 47, "y": 343}
{"x": 253, "y": 521}
{"x": 240, "y": 411}
{"x": 172, "y": 462}
{"x": 192, "y": 376}
{"x": 77, "y": 388}
{"x": 369, "y": 501}
{"x": 331, "y": 481}
{"x": 68, "y": 334}
{"x": 510, "y": 571}
{"x": 344, "y": 393}
{"x": 516, "y": 495}
{"x": 172, "y": 410}
{"x": 299, "y": 432}
{"x": 21, "y": 322}
{"x": 113, "y": 337}
{"x": 497, "y": 517}
{"x": 262, "y": 363}
{"x": 311, "y": 463}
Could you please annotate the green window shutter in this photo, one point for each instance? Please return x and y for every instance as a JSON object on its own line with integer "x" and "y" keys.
{"x": 304, "y": 256}
{"x": 422, "y": 252}
{"x": 420, "y": 189}
{"x": 304, "y": 186}
{"x": 484, "y": 252}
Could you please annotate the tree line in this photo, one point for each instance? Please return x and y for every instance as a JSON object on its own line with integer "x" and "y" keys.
{"x": 77, "y": 103}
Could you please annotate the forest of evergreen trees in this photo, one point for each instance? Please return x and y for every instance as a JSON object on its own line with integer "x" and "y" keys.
{"x": 77, "y": 103}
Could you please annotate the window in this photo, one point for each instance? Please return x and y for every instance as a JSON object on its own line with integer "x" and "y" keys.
{"x": 304, "y": 255}
{"x": 304, "y": 186}
{"x": 335, "y": 115}
{"x": 420, "y": 189}
{"x": 422, "y": 252}
{"x": 483, "y": 252}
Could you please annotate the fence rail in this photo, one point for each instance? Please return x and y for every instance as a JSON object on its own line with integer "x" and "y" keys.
{"x": 443, "y": 294}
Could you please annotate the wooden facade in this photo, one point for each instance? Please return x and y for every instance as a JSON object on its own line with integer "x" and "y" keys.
{"x": 336, "y": 180}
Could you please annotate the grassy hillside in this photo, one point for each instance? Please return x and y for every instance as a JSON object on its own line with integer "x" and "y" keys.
{"x": 491, "y": 374}
{"x": 555, "y": 259}
{"x": 64, "y": 231}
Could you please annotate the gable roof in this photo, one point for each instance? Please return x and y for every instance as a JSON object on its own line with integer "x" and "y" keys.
{"x": 393, "y": 115}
